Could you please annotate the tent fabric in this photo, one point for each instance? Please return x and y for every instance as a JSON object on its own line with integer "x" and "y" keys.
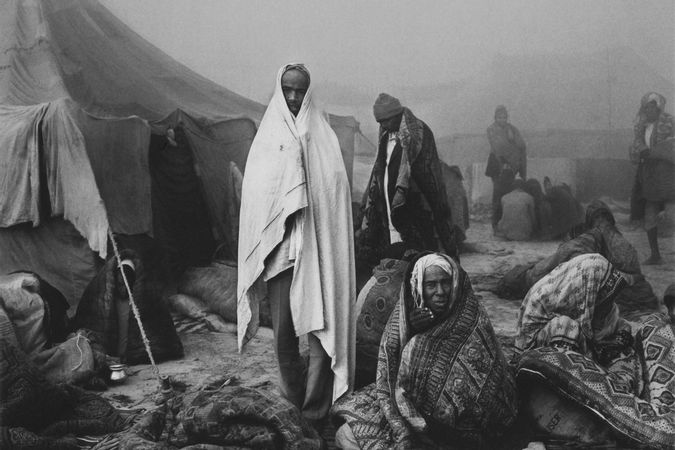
{"x": 55, "y": 250}
{"x": 78, "y": 82}
{"x": 178, "y": 208}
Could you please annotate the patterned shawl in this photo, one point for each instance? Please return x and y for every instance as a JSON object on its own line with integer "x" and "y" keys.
{"x": 574, "y": 290}
{"x": 450, "y": 383}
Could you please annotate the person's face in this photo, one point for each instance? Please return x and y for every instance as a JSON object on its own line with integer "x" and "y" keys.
{"x": 651, "y": 111}
{"x": 294, "y": 85}
{"x": 501, "y": 118}
{"x": 392, "y": 123}
{"x": 437, "y": 289}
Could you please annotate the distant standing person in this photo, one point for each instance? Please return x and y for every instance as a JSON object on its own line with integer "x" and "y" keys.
{"x": 508, "y": 158}
{"x": 405, "y": 204}
{"x": 296, "y": 245}
{"x": 654, "y": 188}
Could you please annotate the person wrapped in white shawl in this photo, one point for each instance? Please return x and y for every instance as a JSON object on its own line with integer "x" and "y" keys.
{"x": 296, "y": 245}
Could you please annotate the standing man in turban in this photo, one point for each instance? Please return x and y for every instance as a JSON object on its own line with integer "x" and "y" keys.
{"x": 405, "y": 205}
{"x": 296, "y": 246}
{"x": 508, "y": 157}
{"x": 652, "y": 149}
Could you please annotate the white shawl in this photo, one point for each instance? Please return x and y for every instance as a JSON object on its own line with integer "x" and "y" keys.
{"x": 295, "y": 165}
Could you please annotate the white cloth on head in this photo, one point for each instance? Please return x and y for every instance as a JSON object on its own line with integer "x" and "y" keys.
{"x": 417, "y": 275}
{"x": 295, "y": 165}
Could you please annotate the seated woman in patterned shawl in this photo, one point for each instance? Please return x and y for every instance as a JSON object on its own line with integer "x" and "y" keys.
{"x": 573, "y": 308}
{"x": 442, "y": 378}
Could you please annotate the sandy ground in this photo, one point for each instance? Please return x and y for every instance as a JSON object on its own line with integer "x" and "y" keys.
{"x": 210, "y": 354}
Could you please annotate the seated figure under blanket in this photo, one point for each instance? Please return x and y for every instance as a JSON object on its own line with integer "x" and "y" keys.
{"x": 603, "y": 237}
{"x": 577, "y": 357}
{"x": 573, "y": 307}
{"x": 442, "y": 377}
{"x": 105, "y": 310}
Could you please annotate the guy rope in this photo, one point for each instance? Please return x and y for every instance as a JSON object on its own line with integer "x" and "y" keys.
{"x": 163, "y": 381}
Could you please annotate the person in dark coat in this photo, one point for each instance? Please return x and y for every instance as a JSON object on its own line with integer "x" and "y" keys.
{"x": 405, "y": 204}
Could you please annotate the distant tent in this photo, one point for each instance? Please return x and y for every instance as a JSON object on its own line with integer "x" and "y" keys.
{"x": 85, "y": 109}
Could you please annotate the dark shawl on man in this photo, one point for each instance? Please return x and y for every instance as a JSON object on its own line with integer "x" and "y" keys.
{"x": 97, "y": 312}
{"x": 455, "y": 380}
{"x": 419, "y": 204}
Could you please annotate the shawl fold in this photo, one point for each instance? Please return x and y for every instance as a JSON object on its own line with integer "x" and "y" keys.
{"x": 295, "y": 174}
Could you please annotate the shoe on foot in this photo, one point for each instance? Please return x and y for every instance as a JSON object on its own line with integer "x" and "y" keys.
{"x": 653, "y": 260}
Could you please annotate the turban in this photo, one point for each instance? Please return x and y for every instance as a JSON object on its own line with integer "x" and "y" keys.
{"x": 386, "y": 106}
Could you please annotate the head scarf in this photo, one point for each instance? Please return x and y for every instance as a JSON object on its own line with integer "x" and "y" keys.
{"x": 417, "y": 275}
{"x": 653, "y": 97}
{"x": 386, "y": 106}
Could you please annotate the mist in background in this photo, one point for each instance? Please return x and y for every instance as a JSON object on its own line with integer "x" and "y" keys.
{"x": 555, "y": 64}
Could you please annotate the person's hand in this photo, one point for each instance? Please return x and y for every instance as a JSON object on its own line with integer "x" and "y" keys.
{"x": 421, "y": 318}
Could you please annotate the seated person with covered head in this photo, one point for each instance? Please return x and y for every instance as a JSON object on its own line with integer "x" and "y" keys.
{"x": 442, "y": 378}
{"x": 579, "y": 357}
{"x": 574, "y": 307}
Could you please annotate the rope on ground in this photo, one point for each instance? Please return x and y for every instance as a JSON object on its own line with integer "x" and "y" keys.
{"x": 137, "y": 315}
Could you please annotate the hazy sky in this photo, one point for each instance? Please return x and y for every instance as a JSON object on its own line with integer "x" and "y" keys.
{"x": 380, "y": 44}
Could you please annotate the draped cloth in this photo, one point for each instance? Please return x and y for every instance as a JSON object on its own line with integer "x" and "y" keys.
{"x": 295, "y": 177}
{"x": 566, "y": 304}
{"x": 448, "y": 384}
{"x": 46, "y": 137}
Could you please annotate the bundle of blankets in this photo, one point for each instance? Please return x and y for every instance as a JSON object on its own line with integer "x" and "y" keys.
{"x": 218, "y": 415}
{"x": 33, "y": 319}
{"x": 36, "y": 413}
{"x": 637, "y": 407}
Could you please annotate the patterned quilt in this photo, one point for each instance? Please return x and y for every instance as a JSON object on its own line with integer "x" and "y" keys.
{"x": 645, "y": 419}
